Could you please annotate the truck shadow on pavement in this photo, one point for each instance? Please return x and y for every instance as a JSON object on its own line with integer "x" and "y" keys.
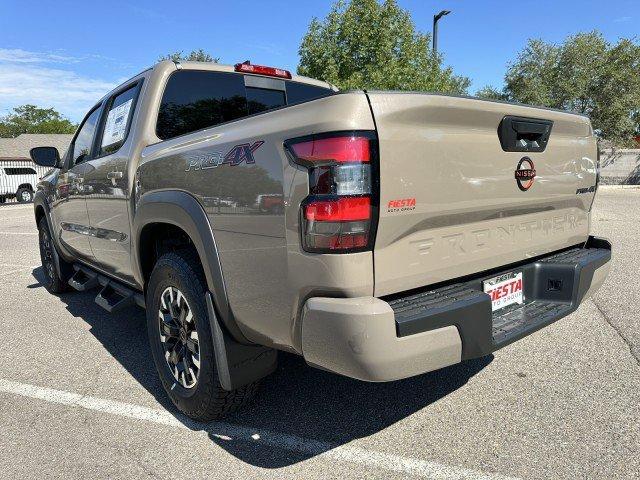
{"x": 300, "y": 402}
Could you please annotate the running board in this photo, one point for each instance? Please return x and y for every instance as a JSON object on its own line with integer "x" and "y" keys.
{"x": 113, "y": 295}
{"x": 83, "y": 280}
{"x": 113, "y": 298}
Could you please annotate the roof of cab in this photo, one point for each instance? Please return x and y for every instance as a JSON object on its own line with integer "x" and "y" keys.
{"x": 218, "y": 67}
{"x": 211, "y": 66}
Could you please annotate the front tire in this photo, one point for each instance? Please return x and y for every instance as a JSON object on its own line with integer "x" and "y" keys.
{"x": 55, "y": 280}
{"x": 181, "y": 342}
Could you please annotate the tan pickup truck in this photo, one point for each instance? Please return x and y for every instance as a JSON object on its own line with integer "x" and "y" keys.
{"x": 379, "y": 235}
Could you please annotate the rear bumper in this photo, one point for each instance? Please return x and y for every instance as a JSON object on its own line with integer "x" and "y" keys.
{"x": 403, "y": 335}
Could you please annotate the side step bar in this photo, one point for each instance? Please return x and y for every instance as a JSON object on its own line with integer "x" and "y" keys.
{"x": 113, "y": 295}
{"x": 83, "y": 280}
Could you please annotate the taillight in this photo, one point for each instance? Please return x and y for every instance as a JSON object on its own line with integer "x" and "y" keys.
{"x": 338, "y": 216}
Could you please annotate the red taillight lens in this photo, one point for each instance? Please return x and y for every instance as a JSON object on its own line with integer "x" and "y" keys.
{"x": 337, "y": 216}
{"x": 333, "y": 149}
{"x": 262, "y": 70}
{"x": 340, "y": 210}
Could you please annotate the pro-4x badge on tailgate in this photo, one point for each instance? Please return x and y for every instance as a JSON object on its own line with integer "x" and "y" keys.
{"x": 525, "y": 173}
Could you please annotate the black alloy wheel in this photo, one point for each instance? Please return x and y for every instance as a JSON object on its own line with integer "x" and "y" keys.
{"x": 179, "y": 337}
{"x": 46, "y": 256}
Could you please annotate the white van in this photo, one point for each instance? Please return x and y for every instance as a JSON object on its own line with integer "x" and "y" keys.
{"x": 18, "y": 180}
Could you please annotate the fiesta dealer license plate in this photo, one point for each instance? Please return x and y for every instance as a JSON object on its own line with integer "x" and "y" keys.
{"x": 504, "y": 290}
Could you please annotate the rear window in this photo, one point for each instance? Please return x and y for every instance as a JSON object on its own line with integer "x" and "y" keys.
{"x": 19, "y": 171}
{"x": 194, "y": 100}
{"x": 263, "y": 99}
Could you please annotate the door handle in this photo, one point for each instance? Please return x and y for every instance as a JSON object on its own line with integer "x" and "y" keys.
{"x": 114, "y": 175}
{"x": 520, "y": 134}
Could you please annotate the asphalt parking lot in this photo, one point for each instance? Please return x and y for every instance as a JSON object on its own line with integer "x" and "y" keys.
{"x": 79, "y": 396}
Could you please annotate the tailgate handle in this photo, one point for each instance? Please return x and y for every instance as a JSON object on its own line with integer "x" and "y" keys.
{"x": 519, "y": 134}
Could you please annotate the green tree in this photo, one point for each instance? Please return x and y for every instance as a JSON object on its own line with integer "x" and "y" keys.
{"x": 585, "y": 74}
{"x": 491, "y": 93}
{"x": 31, "y": 119}
{"x": 243, "y": 184}
{"x": 195, "y": 56}
{"x": 372, "y": 45}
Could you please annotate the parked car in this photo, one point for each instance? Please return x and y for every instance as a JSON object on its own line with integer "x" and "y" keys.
{"x": 17, "y": 181}
{"x": 412, "y": 231}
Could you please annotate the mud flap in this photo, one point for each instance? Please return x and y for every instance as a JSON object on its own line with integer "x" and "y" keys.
{"x": 238, "y": 364}
{"x": 65, "y": 271}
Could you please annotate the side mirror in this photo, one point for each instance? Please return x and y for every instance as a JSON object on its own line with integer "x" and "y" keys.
{"x": 45, "y": 156}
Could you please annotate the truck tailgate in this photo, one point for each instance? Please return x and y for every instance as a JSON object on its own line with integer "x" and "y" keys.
{"x": 450, "y": 202}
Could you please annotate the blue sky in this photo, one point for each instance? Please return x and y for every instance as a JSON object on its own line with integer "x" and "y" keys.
{"x": 67, "y": 54}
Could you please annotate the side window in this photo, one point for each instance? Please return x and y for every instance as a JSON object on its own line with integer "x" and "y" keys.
{"x": 20, "y": 171}
{"x": 118, "y": 119}
{"x": 194, "y": 100}
{"x": 84, "y": 139}
{"x": 302, "y": 92}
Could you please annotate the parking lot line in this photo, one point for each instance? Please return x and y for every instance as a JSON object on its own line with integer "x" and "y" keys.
{"x": 235, "y": 433}
{"x": 18, "y": 233}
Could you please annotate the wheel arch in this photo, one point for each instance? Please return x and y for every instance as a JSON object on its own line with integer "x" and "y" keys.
{"x": 39, "y": 212}
{"x": 181, "y": 212}
{"x": 41, "y": 209}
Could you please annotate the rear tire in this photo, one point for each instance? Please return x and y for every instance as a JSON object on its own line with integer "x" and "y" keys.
{"x": 183, "y": 349}
{"x": 24, "y": 195}
{"x": 55, "y": 280}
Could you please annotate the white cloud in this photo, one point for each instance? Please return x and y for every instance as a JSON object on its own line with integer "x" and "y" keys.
{"x": 623, "y": 19}
{"x": 17, "y": 55}
{"x": 46, "y": 79}
{"x": 66, "y": 91}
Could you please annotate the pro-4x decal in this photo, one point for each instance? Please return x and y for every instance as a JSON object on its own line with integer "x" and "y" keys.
{"x": 235, "y": 156}
{"x": 243, "y": 152}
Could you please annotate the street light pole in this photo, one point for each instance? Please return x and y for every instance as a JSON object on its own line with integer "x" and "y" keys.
{"x": 435, "y": 28}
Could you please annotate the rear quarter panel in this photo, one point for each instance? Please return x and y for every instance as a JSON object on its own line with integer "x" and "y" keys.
{"x": 267, "y": 274}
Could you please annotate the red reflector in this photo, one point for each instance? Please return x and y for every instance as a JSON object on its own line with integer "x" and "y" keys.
{"x": 262, "y": 70}
{"x": 338, "y": 149}
{"x": 343, "y": 242}
{"x": 342, "y": 209}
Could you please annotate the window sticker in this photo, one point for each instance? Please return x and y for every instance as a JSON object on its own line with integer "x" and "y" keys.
{"x": 116, "y": 126}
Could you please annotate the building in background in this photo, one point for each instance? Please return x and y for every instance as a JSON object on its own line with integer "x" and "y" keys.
{"x": 18, "y": 174}
{"x": 18, "y": 148}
